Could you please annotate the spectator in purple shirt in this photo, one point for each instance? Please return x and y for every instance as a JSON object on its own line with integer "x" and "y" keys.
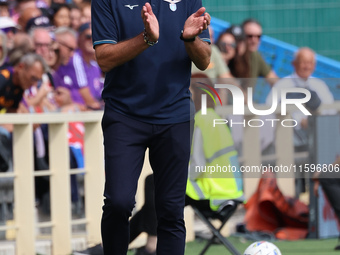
{"x": 87, "y": 70}
{"x": 68, "y": 73}
{"x": 64, "y": 75}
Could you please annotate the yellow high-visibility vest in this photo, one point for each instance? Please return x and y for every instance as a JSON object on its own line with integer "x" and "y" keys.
{"x": 221, "y": 157}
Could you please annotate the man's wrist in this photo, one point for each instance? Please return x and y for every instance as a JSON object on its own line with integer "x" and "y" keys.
{"x": 147, "y": 40}
{"x": 187, "y": 39}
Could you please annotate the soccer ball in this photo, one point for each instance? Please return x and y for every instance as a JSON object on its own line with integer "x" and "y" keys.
{"x": 262, "y": 248}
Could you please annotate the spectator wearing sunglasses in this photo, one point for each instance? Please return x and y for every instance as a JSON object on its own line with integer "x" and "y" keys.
{"x": 258, "y": 67}
{"x": 9, "y": 27}
{"x": 232, "y": 45}
{"x": 67, "y": 41}
{"x": 227, "y": 46}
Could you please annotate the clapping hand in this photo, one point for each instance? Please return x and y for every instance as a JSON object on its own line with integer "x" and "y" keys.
{"x": 196, "y": 23}
{"x": 150, "y": 23}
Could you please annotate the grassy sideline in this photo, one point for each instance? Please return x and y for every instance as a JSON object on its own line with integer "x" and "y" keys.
{"x": 302, "y": 247}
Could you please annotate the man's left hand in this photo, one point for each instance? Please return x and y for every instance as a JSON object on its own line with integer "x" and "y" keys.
{"x": 196, "y": 23}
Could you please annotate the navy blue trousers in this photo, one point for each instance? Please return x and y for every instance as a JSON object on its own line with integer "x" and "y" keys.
{"x": 125, "y": 142}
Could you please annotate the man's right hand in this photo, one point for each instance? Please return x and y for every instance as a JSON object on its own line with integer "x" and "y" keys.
{"x": 150, "y": 23}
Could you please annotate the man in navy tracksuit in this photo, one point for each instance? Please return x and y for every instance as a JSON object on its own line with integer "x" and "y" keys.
{"x": 146, "y": 50}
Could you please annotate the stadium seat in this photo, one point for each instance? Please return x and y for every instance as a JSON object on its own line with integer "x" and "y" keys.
{"x": 223, "y": 215}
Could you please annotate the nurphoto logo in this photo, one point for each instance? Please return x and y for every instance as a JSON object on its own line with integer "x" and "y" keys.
{"x": 278, "y": 97}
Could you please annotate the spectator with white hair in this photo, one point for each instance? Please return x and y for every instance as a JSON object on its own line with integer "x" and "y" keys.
{"x": 304, "y": 64}
{"x": 43, "y": 43}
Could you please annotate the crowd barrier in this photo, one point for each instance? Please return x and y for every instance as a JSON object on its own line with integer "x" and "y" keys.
{"x": 25, "y": 224}
{"x": 61, "y": 238}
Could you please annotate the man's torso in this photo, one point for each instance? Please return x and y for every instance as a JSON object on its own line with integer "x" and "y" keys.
{"x": 154, "y": 86}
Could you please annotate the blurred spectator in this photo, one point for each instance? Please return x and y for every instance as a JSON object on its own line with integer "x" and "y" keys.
{"x": 85, "y": 8}
{"x": 4, "y": 9}
{"x": 41, "y": 95}
{"x": 46, "y": 46}
{"x": 20, "y": 6}
{"x": 43, "y": 44}
{"x": 22, "y": 44}
{"x": 258, "y": 67}
{"x": 233, "y": 41}
{"x": 26, "y": 15}
{"x": 304, "y": 65}
{"x": 87, "y": 72}
{"x": 253, "y": 30}
{"x": 63, "y": 100}
{"x": 77, "y": 2}
{"x": 67, "y": 40}
{"x": 40, "y": 21}
{"x": 23, "y": 41}
{"x": 239, "y": 65}
{"x": 55, "y": 58}
{"x": 75, "y": 15}
{"x": 232, "y": 45}
{"x": 63, "y": 103}
{"x": 65, "y": 73}
{"x": 13, "y": 82}
{"x": 43, "y": 5}
{"x": 58, "y": 1}
{"x": 227, "y": 45}
{"x": 61, "y": 15}
{"x": 240, "y": 37}
{"x": 8, "y": 26}
{"x": 3, "y": 48}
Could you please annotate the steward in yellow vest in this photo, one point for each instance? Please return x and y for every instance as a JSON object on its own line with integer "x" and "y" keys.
{"x": 214, "y": 168}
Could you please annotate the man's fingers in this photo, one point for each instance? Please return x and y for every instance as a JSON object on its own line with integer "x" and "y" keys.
{"x": 148, "y": 8}
{"x": 144, "y": 10}
{"x": 199, "y": 12}
{"x": 207, "y": 18}
{"x": 205, "y": 24}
